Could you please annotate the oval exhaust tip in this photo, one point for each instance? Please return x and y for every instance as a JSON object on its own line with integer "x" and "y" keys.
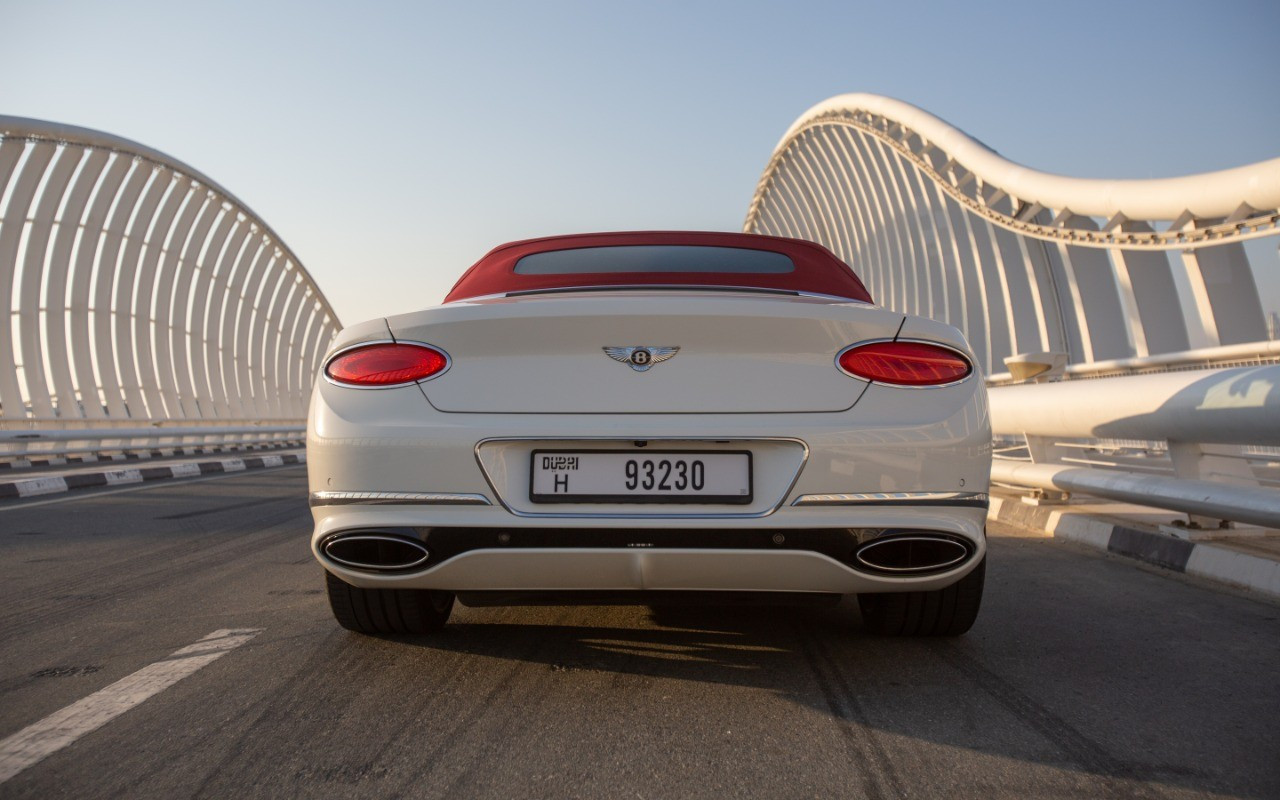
{"x": 908, "y": 554}
{"x": 375, "y": 551}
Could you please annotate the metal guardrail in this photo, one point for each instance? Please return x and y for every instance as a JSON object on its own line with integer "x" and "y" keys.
{"x": 43, "y": 443}
{"x": 1229, "y": 406}
{"x": 141, "y": 293}
{"x": 1205, "y": 442}
{"x": 1197, "y": 498}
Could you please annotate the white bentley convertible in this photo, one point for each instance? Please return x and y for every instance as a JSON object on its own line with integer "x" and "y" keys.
{"x": 648, "y": 417}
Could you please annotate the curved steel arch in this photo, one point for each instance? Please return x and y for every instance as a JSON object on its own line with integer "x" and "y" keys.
{"x": 1022, "y": 261}
{"x": 143, "y": 293}
{"x": 1142, "y": 287}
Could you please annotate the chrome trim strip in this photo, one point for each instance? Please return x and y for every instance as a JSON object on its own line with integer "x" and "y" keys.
{"x": 804, "y": 459}
{"x": 981, "y": 499}
{"x": 324, "y": 370}
{"x": 973, "y": 368}
{"x": 396, "y": 499}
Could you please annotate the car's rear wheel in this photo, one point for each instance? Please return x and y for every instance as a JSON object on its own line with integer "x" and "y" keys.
{"x": 943, "y": 612}
{"x": 387, "y": 610}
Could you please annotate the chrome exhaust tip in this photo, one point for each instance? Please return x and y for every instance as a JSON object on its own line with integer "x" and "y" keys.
{"x": 375, "y": 551}
{"x": 913, "y": 553}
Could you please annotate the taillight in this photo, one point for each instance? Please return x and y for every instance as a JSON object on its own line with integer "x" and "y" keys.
{"x": 905, "y": 363}
{"x": 385, "y": 364}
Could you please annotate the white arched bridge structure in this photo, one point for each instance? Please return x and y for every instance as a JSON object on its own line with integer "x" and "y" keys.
{"x": 1118, "y": 321}
{"x": 149, "y": 308}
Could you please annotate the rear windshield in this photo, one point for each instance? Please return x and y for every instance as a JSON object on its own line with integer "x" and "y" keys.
{"x": 701, "y": 259}
{"x": 655, "y": 258}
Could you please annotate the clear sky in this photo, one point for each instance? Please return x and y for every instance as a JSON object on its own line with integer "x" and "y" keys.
{"x": 392, "y": 144}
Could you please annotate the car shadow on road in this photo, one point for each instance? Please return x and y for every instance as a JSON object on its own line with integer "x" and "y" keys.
{"x": 712, "y": 644}
{"x": 937, "y": 691}
{"x": 707, "y": 643}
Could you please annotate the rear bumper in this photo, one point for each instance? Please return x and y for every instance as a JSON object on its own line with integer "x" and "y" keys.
{"x": 584, "y": 569}
{"x": 750, "y": 559}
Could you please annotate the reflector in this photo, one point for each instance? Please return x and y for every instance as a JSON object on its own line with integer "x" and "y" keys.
{"x": 905, "y": 363}
{"x": 385, "y": 364}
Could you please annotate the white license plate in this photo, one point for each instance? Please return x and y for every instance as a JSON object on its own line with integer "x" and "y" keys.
{"x": 640, "y": 476}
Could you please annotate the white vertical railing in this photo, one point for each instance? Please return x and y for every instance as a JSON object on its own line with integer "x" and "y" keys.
{"x": 143, "y": 297}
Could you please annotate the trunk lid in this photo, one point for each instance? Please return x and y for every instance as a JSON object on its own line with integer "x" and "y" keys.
{"x": 738, "y": 352}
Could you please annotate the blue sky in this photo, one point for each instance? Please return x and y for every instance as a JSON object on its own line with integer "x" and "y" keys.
{"x": 392, "y": 144}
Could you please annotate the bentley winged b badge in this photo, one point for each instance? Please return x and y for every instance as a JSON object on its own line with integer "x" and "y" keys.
{"x": 641, "y": 358}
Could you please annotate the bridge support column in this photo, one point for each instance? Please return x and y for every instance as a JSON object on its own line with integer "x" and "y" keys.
{"x": 1156, "y": 312}
{"x": 1096, "y": 296}
{"x": 1226, "y": 295}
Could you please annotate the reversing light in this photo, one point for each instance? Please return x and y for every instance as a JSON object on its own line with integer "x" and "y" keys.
{"x": 385, "y": 364}
{"x": 905, "y": 363}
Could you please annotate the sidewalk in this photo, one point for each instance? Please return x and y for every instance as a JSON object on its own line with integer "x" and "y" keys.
{"x": 1245, "y": 557}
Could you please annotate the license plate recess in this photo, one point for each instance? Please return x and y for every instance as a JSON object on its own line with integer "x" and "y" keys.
{"x": 719, "y": 477}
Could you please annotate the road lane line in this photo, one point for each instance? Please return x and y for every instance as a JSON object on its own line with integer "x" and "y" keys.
{"x": 46, "y": 737}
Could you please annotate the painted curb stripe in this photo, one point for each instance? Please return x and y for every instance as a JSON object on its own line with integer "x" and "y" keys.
{"x": 1202, "y": 559}
{"x": 32, "y": 487}
{"x": 118, "y": 476}
{"x": 61, "y": 728}
{"x": 86, "y": 480}
{"x": 1153, "y": 548}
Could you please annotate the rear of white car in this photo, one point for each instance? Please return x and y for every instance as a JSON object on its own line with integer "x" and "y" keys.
{"x": 640, "y": 442}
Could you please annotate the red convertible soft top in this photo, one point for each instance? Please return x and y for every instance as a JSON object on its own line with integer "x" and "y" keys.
{"x": 812, "y": 269}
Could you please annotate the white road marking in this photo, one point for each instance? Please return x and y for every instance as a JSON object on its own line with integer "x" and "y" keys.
{"x": 61, "y": 728}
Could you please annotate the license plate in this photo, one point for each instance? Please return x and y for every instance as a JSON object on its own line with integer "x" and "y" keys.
{"x": 640, "y": 476}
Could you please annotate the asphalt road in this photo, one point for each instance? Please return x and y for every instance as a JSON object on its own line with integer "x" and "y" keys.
{"x": 1085, "y": 676}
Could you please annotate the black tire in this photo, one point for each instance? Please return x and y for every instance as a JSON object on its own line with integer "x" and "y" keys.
{"x": 943, "y": 612}
{"x": 383, "y": 611}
